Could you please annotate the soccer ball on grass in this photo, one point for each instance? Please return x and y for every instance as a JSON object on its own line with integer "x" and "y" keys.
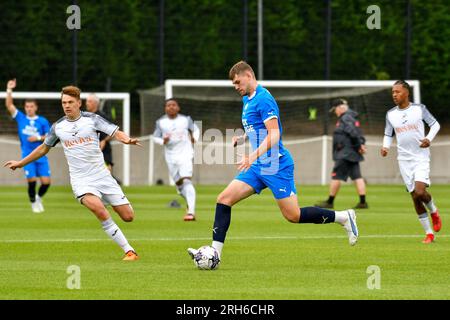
{"x": 206, "y": 258}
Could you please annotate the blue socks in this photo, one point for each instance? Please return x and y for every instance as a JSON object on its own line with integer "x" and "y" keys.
{"x": 316, "y": 215}
{"x": 221, "y": 222}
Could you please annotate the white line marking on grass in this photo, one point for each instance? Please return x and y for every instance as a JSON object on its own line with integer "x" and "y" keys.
{"x": 371, "y": 236}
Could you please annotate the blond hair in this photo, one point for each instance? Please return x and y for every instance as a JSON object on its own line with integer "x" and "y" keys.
{"x": 240, "y": 67}
{"x": 72, "y": 91}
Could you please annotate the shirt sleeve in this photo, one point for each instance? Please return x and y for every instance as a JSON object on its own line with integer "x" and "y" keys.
{"x": 268, "y": 109}
{"x": 18, "y": 115}
{"x": 157, "y": 134}
{"x": 427, "y": 116}
{"x": 350, "y": 128}
{"x": 103, "y": 125}
{"x": 388, "y": 129}
{"x": 51, "y": 139}
{"x": 193, "y": 128}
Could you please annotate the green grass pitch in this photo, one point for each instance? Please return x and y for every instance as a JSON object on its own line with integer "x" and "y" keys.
{"x": 264, "y": 257}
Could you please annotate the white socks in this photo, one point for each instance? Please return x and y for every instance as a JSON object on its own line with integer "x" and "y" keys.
{"x": 218, "y": 246}
{"x": 425, "y": 222}
{"x": 340, "y": 217}
{"x": 430, "y": 205}
{"x": 114, "y": 232}
{"x": 187, "y": 190}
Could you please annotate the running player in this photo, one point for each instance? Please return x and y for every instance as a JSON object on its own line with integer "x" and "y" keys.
{"x": 177, "y": 132}
{"x": 32, "y": 129}
{"x": 269, "y": 165}
{"x": 406, "y": 121}
{"x": 91, "y": 181}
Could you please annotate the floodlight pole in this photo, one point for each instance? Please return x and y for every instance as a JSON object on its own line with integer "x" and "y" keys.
{"x": 245, "y": 30}
{"x": 74, "y": 54}
{"x": 161, "y": 42}
{"x": 408, "y": 39}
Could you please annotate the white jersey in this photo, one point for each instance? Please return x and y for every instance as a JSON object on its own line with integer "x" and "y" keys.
{"x": 408, "y": 126}
{"x": 80, "y": 141}
{"x": 179, "y": 147}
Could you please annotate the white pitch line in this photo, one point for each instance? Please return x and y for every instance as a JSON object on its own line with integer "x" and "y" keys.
{"x": 372, "y": 236}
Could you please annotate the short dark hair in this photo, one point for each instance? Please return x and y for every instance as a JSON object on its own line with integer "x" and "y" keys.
{"x": 404, "y": 84}
{"x": 31, "y": 101}
{"x": 171, "y": 99}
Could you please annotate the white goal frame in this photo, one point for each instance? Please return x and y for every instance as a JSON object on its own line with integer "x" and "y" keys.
{"x": 171, "y": 83}
{"x": 121, "y": 96}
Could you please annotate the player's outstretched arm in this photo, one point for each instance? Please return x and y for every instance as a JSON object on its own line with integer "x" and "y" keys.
{"x": 125, "y": 139}
{"x": 37, "y": 153}
{"x": 9, "y": 100}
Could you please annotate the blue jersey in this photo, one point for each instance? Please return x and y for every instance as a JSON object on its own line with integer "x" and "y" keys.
{"x": 258, "y": 109}
{"x": 27, "y": 127}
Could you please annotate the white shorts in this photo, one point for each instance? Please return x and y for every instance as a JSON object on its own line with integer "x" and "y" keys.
{"x": 178, "y": 170}
{"x": 107, "y": 189}
{"x": 413, "y": 171}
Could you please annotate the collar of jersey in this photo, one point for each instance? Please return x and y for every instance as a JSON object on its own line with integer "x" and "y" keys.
{"x": 32, "y": 118}
{"x": 258, "y": 89}
{"x": 75, "y": 119}
{"x": 400, "y": 109}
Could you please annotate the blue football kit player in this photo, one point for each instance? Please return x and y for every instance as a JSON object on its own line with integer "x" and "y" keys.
{"x": 32, "y": 130}
{"x": 269, "y": 165}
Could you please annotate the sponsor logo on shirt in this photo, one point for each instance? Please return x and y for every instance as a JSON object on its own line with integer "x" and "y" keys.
{"x": 247, "y": 127}
{"x": 78, "y": 141}
{"x": 409, "y": 127}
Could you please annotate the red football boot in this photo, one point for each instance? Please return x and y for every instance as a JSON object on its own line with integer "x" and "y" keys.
{"x": 428, "y": 239}
{"x": 437, "y": 223}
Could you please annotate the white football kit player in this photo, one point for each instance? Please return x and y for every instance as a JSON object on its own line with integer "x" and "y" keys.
{"x": 178, "y": 150}
{"x": 80, "y": 141}
{"x": 179, "y": 154}
{"x": 408, "y": 126}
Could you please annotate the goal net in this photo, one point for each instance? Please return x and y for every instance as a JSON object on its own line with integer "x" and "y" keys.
{"x": 115, "y": 105}
{"x": 304, "y": 111}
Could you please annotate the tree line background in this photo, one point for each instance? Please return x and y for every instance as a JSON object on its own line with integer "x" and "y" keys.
{"x": 126, "y": 45}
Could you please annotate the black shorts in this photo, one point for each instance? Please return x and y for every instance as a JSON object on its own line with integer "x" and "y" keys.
{"x": 344, "y": 169}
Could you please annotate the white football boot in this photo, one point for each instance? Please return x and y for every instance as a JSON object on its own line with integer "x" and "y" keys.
{"x": 192, "y": 252}
{"x": 40, "y": 205}
{"x": 351, "y": 227}
{"x": 35, "y": 207}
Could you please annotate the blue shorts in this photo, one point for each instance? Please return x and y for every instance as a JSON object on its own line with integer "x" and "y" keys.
{"x": 37, "y": 169}
{"x": 281, "y": 183}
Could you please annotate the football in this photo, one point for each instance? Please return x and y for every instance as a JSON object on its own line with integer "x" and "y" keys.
{"x": 207, "y": 258}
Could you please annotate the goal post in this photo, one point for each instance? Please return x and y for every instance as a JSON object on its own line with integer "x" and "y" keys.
{"x": 118, "y": 96}
{"x": 195, "y": 95}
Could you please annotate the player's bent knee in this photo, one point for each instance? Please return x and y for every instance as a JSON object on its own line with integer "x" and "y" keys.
{"x": 223, "y": 199}
{"x": 128, "y": 218}
{"x": 419, "y": 194}
{"x": 125, "y": 212}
